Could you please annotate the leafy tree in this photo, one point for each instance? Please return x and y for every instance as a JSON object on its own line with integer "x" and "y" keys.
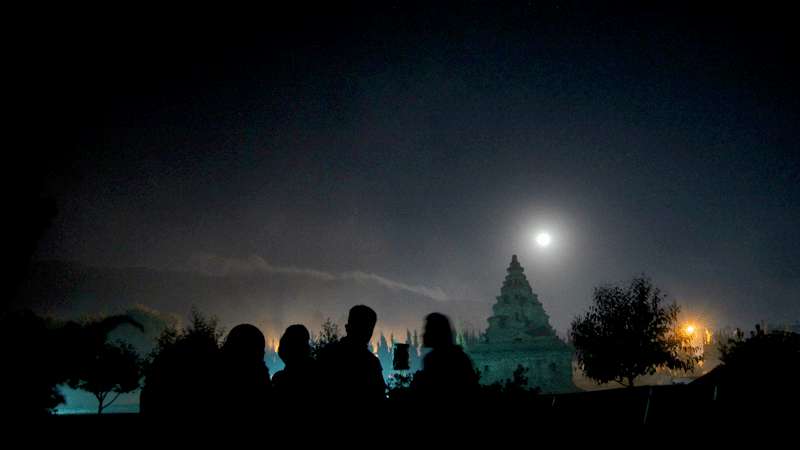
{"x": 201, "y": 333}
{"x": 41, "y": 353}
{"x": 182, "y": 366}
{"x": 763, "y": 362}
{"x": 153, "y": 323}
{"x": 115, "y": 369}
{"x": 81, "y": 342}
{"x": 629, "y": 332}
{"x": 327, "y": 335}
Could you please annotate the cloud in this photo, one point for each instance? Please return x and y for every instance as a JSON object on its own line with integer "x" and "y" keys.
{"x": 215, "y": 265}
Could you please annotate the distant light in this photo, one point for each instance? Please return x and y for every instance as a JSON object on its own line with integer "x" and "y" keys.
{"x": 543, "y": 239}
{"x": 690, "y": 329}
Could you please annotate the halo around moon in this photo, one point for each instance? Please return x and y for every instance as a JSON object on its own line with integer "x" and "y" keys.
{"x": 543, "y": 239}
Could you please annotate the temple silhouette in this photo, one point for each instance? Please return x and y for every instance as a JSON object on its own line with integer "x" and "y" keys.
{"x": 520, "y": 334}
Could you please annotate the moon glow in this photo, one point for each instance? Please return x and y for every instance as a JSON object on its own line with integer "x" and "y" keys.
{"x": 543, "y": 239}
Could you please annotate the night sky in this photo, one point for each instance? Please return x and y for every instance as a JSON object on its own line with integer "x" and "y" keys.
{"x": 414, "y": 149}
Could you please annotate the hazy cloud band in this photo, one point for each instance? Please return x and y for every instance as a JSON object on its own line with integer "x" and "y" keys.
{"x": 221, "y": 266}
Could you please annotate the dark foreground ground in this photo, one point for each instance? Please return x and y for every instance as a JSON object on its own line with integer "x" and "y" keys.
{"x": 684, "y": 406}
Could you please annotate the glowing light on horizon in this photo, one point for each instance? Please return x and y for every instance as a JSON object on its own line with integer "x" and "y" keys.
{"x": 696, "y": 335}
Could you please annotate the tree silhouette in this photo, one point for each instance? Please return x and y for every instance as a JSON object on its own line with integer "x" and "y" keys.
{"x": 327, "y": 335}
{"x": 41, "y": 353}
{"x": 82, "y": 341}
{"x": 628, "y": 332}
{"x": 115, "y": 369}
{"x": 182, "y": 365}
{"x": 763, "y": 362}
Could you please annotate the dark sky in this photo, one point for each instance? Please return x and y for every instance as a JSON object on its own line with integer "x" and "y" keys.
{"x": 425, "y": 145}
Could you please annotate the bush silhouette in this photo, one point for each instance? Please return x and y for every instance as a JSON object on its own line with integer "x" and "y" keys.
{"x": 181, "y": 370}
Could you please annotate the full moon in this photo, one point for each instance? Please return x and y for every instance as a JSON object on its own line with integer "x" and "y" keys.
{"x": 543, "y": 239}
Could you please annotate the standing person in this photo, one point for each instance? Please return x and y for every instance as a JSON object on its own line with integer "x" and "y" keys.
{"x": 295, "y": 385}
{"x": 351, "y": 374}
{"x": 447, "y": 372}
{"x": 243, "y": 384}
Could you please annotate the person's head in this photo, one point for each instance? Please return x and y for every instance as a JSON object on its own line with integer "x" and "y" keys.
{"x": 361, "y": 323}
{"x": 294, "y": 344}
{"x": 245, "y": 342}
{"x": 438, "y": 332}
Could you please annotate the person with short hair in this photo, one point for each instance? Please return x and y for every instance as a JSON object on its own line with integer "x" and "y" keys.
{"x": 352, "y": 375}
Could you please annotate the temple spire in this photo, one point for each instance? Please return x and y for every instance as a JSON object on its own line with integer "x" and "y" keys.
{"x": 519, "y": 334}
{"x": 518, "y": 314}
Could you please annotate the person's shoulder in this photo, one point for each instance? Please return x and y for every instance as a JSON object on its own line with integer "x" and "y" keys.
{"x": 434, "y": 354}
{"x": 279, "y": 376}
{"x": 372, "y": 357}
{"x": 462, "y": 355}
{"x": 364, "y": 354}
{"x": 459, "y": 350}
{"x": 447, "y": 355}
{"x": 330, "y": 350}
{"x": 330, "y": 356}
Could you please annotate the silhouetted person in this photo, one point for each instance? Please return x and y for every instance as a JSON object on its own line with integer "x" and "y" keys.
{"x": 447, "y": 373}
{"x": 243, "y": 385}
{"x": 352, "y": 375}
{"x": 297, "y": 384}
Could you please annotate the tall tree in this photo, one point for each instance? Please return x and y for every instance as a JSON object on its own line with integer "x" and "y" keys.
{"x": 629, "y": 332}
{"x": 115, "y": 369}
{"x": 385, "y": 355}
{"x": 413, "y": 351}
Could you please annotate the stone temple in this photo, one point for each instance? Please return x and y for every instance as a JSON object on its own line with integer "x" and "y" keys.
{"x": 519, "y": 333}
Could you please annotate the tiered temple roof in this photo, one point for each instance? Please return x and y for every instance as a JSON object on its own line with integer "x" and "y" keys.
{"x": 518, "y": 317}
{"x": 520, "y": 334}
